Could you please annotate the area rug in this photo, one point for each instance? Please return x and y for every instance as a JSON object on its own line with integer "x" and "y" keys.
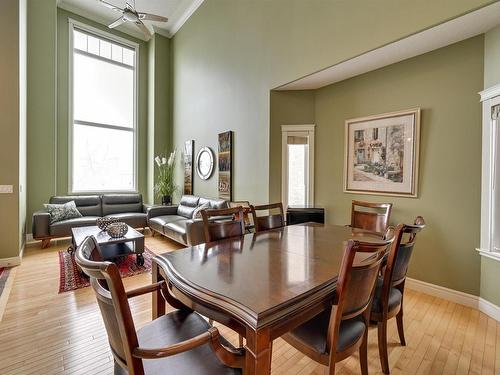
{"x": 71, "y": 279}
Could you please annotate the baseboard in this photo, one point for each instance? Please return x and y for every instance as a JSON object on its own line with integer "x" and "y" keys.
{"x": 466, "y": 299}
{"x": 10, "y": 262}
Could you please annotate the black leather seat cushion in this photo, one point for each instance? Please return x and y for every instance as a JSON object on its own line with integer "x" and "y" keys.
{"x": 313, "y": 333}
{"x": 63, "y": 228}
{"x": 173, "y": 328}
{"x": 395, "y": 297}
{"x": 134, "y": 219}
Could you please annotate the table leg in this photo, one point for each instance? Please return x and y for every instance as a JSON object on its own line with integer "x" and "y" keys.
{"x": 158, "y": 300}
{"x": 258, "y": 352}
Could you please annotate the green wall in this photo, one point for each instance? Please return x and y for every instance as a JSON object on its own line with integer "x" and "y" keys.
{"x": 12, "y": 127}
{"x": 490, "y": 268}
{"x": 450, "y": 151}
{"x": 229, "y": 54}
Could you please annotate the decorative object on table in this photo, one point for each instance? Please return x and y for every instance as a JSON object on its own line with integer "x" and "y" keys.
{"x": 188, "y": 167}
{"x": 225, "y": 165}
{"x": 104, "y": 222}
{"x": 70, "y": 277}
{"x": 60, "y": 212}
{"x": 205, "y": 163}
{"x": 165, "y": 186}
{"x": 381, "y": 154}
{"x": 117, "y": 230}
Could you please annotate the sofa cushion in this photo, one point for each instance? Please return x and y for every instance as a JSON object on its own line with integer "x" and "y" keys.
{"x": 121, "y": 203}
{"x": 64, "y": 211}
{"x": 177, "y": 230}
{"x": 87, "y": 205}
{"x": 134, "y": 219}
{"x": 158, "y": 222}
{"x": 187, "y": 205}
{"x": 215, "y": 204}
{"x": 63, "y": 228}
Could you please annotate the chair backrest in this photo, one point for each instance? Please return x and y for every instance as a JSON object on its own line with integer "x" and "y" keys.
{"x": 370, "y": 216}
{"x": 270, "y": 221}
{"x": 401, "y": 251}
{"x": 247, "y": 217}
{"x": 232, "y": 225}
{"x": 356, "y": 284}
{"x": 113, "y": 303}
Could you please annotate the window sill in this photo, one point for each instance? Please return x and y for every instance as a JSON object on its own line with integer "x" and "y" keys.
{"x": 489, "y": 254}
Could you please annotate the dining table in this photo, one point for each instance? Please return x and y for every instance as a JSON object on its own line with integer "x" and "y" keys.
{"x": 261, "y": 285}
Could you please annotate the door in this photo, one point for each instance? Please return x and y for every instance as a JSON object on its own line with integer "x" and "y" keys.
{"x": 297, "y": 165}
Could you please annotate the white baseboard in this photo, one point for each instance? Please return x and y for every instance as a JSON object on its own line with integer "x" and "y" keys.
{"x": 469, "y": 300}
{"x": 10, "y": 262}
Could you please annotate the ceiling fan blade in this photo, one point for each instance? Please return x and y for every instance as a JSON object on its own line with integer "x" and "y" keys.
{"x": 152, "y": 17}
{"x": 110, "y": 6}
{"x": 118, "y": 22}
{"x": 144, "y": 29}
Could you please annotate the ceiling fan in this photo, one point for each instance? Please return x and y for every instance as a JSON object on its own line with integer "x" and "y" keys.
{"x": 130, "y": 14}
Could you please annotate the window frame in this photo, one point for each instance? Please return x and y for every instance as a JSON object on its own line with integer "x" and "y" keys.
{"x": 72, "y": 25}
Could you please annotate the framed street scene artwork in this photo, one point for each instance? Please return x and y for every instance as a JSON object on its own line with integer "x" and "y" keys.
{"x": 188, "y": 167}
{"x": 225, "y": 164}
{"x": 382, "y": 153}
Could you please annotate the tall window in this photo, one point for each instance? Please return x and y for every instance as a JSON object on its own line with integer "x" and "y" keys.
{"x": 103, "y": 136}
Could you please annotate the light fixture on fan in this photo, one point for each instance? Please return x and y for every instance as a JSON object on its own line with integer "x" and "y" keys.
{"x": 130, "y": 14}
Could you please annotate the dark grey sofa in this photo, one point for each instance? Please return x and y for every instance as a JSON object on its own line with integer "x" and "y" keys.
{"x": 177, "y": 223}
{"x": 129, "y": 208}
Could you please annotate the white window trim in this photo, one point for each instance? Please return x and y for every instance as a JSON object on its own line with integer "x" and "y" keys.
{"x": 489, "y": 98}
{"x": 285, "y": 129}
{"x": 72, "y": 24}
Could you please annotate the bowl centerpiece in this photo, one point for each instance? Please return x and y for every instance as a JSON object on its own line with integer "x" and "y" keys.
{"x": 104, "y": 222}
{"x": 117, "y": 229}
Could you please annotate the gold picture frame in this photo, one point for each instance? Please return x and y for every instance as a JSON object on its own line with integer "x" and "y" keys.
{"x": 381, "y": 154}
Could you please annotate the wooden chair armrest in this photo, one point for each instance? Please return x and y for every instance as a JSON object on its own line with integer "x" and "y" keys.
{"x": 145, "y": 289}
{"x": 229, "y": 357}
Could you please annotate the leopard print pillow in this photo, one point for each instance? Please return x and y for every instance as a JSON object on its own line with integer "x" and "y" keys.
{"x": 59, "y": 212}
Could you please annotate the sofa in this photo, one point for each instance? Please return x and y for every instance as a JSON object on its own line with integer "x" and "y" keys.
{"x": 129, "y": 208}
{"x": 177, "y": 222}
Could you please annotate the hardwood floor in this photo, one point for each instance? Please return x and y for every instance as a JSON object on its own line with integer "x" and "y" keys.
{"x": 44, "y": 332}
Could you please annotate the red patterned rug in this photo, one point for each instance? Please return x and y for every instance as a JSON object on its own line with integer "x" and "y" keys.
{"x": 69, "y": 272}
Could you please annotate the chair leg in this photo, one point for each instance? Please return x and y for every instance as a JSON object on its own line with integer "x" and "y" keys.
{"x": 399, "y": 322}
{"x": 240, "y": 341}
{"x": 363, "y": 353}
{"x": 153, "y": 232}
{"x": 382, "y": 346}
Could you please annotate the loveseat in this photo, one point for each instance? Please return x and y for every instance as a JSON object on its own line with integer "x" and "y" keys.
{"x": 129, "y": 208}
{"x": 177, "y": 222}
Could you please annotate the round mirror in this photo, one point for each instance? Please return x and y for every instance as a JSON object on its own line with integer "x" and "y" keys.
{"x": 205, "y": 163}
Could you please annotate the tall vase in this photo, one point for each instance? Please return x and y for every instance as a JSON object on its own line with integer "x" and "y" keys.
{"x": 166, "y": 200}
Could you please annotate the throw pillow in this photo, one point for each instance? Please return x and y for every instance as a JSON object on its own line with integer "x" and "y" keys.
{"x": 197, "y": 210}
{"x": 64, "y": 211}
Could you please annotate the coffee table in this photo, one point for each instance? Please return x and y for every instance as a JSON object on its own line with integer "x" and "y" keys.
{"x": 111, "y": 248}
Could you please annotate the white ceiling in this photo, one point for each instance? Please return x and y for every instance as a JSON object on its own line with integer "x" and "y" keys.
{"x": 177, "y": 12}
{"x": 455, "y": 30}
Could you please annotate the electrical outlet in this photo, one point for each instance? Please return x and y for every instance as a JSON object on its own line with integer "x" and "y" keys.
{"x": 6, "y": 189}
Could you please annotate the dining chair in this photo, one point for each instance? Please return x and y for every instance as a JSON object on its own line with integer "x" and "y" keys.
{"x": 180, "y": 342}
{"x": 370, "y": 216}
{"x": 337, "y": 333}
{"x": 223, "y": 223}
{"x": 389, "y": 290}
{"x": 271, "y": 221}
{"x": 231, "y": 224}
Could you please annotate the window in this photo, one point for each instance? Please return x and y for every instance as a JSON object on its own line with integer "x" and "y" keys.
{"x": 103, "y": 132}
{"x": 298, "y": 165}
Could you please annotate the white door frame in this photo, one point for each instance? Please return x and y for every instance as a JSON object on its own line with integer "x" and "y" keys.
{"x": 285, "y": 130}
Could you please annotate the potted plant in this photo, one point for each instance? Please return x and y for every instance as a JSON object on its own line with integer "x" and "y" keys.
{"x": 165, "y": 187}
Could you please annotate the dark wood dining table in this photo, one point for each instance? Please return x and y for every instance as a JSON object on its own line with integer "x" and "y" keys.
{"x": 261, "y": 285}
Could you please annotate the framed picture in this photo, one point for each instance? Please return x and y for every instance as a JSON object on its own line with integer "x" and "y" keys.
{"x": 381, "y": 154}
{"x": 225, "y": 163}
{"x": 188, "y": 167}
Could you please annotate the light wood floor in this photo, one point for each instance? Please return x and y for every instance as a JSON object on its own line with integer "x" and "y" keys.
{"x": 44, "y": 332}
